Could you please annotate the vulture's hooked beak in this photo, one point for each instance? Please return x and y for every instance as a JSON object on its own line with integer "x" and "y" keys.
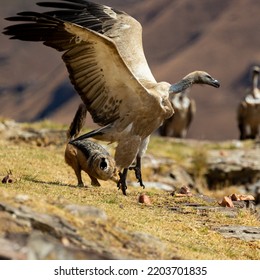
{"x": 215, "y": 83}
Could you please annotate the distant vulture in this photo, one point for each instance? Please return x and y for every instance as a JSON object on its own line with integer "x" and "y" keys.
{"x": 248, "y": 113}
{"x": 102, "y": 49}
{"x": 178, "y": 124}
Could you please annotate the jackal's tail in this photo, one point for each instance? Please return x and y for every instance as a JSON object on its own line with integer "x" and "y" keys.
{"x": 77, "y": 122}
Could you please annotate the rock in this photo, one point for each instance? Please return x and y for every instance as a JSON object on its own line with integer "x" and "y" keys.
{"x": 226, "y": 202}
{"x": 182, "y": 194}
{"x": 20, "y": 198}
{"x": 246, "y": 233}
{"x": 238, "y": 201}
{"x": 10, "y": 250}
{"x": 255, "y": 190}
{"x": 234, "y": 197}
{"x": 13, "y": 131}
{"x": 235, "y": 167}
{"x": 205, "y": 210}
{"x": 154, "y": 185}
{"x": 143, "y": 198}
{"x": 249, "y": 204}
{"x": 184, "y": 191}
{"x": 86, "y": 211}
{"x": 44, "y": 238}
{"x": 165, "y": 173}
{"x": 238, "y": 197}
{"x": 44, "y": 222}
{"x": 32, "y": 235}
{"x": 153, "y": 246}
{"x": 42, "y": 247}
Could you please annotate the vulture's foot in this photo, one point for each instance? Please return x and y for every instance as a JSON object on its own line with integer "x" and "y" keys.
{"x": 138, "y": 175}
{"x": 121, "y": 184}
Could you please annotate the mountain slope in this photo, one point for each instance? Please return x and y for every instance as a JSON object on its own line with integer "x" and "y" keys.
{"x": 180, "y": 36}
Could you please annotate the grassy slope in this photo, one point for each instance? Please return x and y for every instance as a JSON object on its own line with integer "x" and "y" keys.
{"x": 42, "y": 173}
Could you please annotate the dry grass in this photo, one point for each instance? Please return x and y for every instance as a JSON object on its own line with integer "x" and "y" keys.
{"x": 42, "y": 173}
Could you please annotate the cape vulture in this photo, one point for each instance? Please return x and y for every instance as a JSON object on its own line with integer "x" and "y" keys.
{"x": 184, "y": 110}
{"x": 248, "y": 113}
{"x": 102, "y": 49}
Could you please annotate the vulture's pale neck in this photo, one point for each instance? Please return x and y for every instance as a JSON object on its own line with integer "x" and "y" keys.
{"x": 183, "y": 84}
{"x": 255, "y": 91}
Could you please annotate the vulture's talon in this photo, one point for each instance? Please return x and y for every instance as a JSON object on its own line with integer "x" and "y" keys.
{"x": 122, "y": 181}
{"x": 138, "y": 175}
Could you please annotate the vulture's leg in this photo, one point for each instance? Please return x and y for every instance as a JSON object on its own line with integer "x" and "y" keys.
{"x": 137, "y": 169}
{"x": 242, "y": 131}
{"x": 121, "y": 184}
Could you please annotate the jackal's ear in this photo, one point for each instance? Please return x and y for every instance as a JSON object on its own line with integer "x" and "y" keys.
{"x": 103, "y": 164}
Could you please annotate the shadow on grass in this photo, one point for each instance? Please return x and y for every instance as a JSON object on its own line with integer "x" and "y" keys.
{"x": 50, "y": 183}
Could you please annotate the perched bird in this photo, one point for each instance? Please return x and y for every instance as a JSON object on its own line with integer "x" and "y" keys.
{"x": 178, "y": 124}
{"x": 248, "y": 113}
{"x": 102, "y": 49}
{"x": 87, "y": 155}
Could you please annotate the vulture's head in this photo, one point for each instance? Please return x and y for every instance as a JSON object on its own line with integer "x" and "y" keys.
{"x": 256, "y": 70}
{"x": 196, "y": 77}
{"x": 203, "y": 78}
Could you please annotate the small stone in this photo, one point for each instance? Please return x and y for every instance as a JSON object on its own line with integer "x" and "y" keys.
{"x": 234, "y": 197}
{"x": 246, "y": 197}
{"x": 65, "y": 241}
{"x": 223, "y": 153}
{"x": 143, "y": 198}
{"x": 21, "y": 198}
{"x": 238, "y": 197}
{"x": 185, "y": 190}
{"x": 226, "y": 202}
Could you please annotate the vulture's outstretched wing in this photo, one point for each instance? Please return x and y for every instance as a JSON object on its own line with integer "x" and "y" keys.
{"x": 124, "y": 30}
{"x": 100, "y": 75}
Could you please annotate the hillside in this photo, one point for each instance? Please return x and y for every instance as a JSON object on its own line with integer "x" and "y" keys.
{"x": 44, "y": 215}
{"x": 180, "y": 36}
